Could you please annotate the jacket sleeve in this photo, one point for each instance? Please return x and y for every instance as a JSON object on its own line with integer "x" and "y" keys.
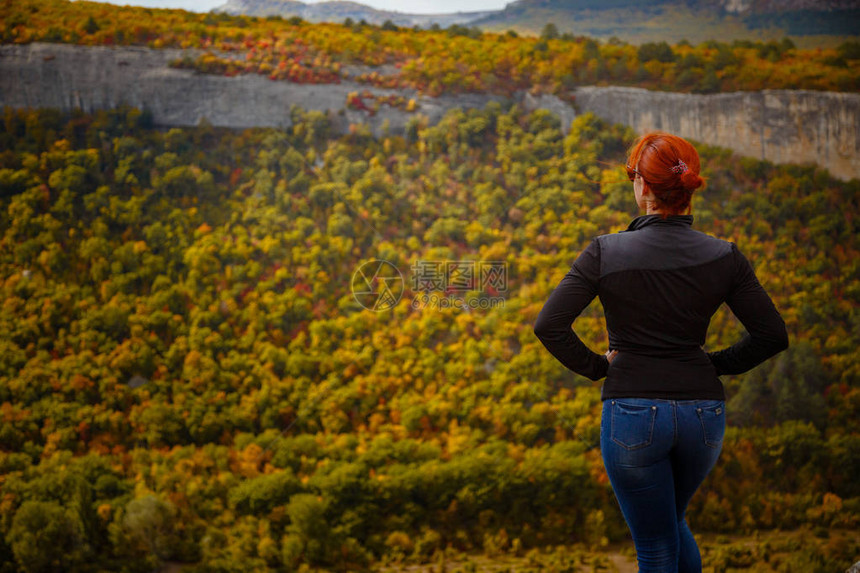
{"x": 553, "y": 325}
{"x": 766, "y": 334}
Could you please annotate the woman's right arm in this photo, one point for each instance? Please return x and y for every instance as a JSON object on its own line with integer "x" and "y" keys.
{"x": 766, "y": 334}
{"x": 572, "y": 295}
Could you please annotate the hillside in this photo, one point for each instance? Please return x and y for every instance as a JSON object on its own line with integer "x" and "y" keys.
{"x": 186, "y": 375}
{"x": 808, "y": 23}
{"x": 340, "y": 11}
{"x": 431, "y": 62}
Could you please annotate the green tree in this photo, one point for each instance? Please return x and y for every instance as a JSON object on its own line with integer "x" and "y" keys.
{"x": 310, "y": 537}
{"x": 258, "y": 496}
{"x": 549, "y": 32}
{"x": 660, "y": 51}
{"x": 46, "y": 537}
{"x": 146, "y": 530}
{"x": 91, "y": 26}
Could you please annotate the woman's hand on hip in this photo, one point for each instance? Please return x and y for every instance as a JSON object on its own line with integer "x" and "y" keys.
{"x": 610, "y": 355}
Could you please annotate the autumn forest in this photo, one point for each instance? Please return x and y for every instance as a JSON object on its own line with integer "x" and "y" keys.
{"x": 187, "y": 378}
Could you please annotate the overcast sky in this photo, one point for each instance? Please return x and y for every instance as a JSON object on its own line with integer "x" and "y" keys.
{"x": 410, "y": 6}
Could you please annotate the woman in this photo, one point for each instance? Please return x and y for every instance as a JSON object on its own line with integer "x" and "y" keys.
{"x": 660, "y": 282}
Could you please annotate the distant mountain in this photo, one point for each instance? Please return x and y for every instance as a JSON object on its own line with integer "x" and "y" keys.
{"x": 340, "y": 11}
{"x": 811, "y": 23}
{"x": 673, "y": 20}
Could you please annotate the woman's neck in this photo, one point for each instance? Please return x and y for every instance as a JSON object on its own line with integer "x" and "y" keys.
{"x": 651, "y": 209}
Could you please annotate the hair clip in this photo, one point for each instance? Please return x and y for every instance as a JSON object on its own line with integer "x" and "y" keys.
{"x": 680, "y": 168}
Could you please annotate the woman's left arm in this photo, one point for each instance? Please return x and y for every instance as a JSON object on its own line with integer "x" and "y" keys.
{"x": 553, "y": 325}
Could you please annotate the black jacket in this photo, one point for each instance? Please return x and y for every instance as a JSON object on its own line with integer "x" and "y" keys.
{"x": 660, "y": 282}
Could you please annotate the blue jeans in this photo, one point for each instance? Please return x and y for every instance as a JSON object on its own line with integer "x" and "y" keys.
{"x": 656, "y": 453}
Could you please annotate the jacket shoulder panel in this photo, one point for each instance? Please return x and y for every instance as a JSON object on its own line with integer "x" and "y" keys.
{"x": 659, "y": 249}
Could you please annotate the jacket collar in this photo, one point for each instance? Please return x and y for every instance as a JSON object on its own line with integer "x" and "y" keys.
{"x": 671, "y": 220}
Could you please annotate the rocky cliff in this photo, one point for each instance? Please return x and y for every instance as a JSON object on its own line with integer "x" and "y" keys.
{"x": 781, "y": 126}
{"x": 65, "y": 77}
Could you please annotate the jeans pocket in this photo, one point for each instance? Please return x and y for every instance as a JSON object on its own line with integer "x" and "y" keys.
{"x": 712, "y": 415}
{"x": 632, "y": 425}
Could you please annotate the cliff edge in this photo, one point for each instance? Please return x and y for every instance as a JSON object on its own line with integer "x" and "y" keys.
{"x": 777, "y": 125}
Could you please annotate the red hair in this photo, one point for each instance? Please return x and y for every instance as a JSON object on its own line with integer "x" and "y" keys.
{"x": 669, "y": 165}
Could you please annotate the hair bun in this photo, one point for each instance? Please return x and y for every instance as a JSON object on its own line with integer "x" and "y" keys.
{"x": 670, "y": 166}
{"x": 691, "y": 181}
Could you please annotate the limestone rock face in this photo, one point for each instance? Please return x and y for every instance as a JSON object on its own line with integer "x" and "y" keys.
{"x": 90, "y": 78}
{"x": 550, "y": 103}
{"x": 783, "y": 126}
{"x": 778, "y": 125}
